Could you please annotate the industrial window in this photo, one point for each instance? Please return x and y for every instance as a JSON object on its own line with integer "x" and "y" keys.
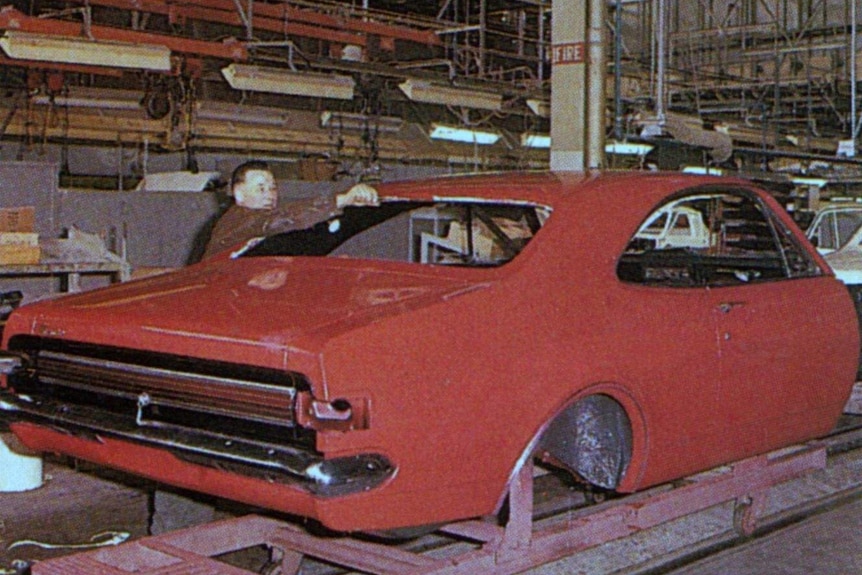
{"x": 713, "y": 239}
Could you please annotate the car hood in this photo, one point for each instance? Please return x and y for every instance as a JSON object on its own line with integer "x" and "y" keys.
{"x": 847, "y": 264}
{"x": 226, "y": 308}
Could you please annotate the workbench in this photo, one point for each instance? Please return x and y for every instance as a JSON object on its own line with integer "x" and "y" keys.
{"x": 71, "y": 258}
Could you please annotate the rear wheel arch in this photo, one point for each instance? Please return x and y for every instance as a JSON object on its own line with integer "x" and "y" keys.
{"x": 592, "y": 438}
{"x": 599, "y": 435}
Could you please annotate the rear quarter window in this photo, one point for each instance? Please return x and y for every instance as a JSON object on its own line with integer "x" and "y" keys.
{"x": 729, "y": 238}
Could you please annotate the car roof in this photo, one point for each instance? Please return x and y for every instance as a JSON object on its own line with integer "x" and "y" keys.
{"x": 549, "y": 188}
{"x": 843, "y": 206}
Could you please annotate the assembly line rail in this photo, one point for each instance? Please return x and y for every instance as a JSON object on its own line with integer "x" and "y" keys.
{"x": 476, "y": 546}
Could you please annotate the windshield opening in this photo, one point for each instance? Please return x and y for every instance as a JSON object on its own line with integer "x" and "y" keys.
{"x": 461, "y": 233}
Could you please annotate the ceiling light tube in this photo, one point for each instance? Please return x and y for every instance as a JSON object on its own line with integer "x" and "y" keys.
{"x": 703, "y": 170}
{"x": 84, "y": 97}
{"x": 628, "y": 148}
{"x": 354, "y": 121}
{"x": 48, "y": 48}
{"x": 242, "y": 114}
{"x": 535, "y": 140}
{"x": 289, "y": 82}
{"x": 428, "y": 93}
{"x": 466, "y": 135}
{"x": 71, "y": 102}
{"x": 815, "y": 182}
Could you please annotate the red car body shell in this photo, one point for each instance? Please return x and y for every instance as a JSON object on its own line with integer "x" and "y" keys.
{"x": 462, "y": 369}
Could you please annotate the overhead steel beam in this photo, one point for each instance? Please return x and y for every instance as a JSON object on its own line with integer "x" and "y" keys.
{"x": 282, "y": 18}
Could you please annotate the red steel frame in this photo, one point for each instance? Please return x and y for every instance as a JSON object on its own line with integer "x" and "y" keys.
{"x": 517, "y": 546}
{"x": 284, "y": 18}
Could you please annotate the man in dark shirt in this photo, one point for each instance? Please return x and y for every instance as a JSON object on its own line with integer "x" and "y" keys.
{"x": 256, "y": 212}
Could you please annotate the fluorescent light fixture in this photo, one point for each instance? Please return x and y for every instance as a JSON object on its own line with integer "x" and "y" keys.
{"x": 541, "y": 108}
{"x": 285, "y": 81}
{"x": 242, "y": 114}
{"x": 703, "y": 171}
{"x": 628, "y": 149}
{"x": 353, "y": 121}
{"x": 455, "y": 134}
{"x": 98, "y": 98}
{"x": 48, "y": 48}
{"x": 815, "y": 182}
{"x": 535, "y": 140}
{"x": 422, "y": 91}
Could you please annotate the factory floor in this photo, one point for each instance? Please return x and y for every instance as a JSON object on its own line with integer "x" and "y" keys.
{"x": 810, "y": 525}
{"x": 826, "y": 544}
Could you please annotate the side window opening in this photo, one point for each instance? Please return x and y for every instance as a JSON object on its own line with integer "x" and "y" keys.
{"x": 715, "y": 239}
{"x": 825, "y": 233}
{"x": 456, "y": 233}
{"x": 846, "y": 225}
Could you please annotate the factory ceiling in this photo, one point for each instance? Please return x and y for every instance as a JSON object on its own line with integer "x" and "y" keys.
{"x": 371, "y": 80}
{"x": 286, "y": 77}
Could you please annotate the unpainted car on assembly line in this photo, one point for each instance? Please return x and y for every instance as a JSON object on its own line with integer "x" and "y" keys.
{"x": 396, "y": 365}
{"x": 834, "y": 225}
{"x": 846, "y": 260}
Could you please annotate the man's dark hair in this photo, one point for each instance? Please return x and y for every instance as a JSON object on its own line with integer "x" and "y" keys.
{"x": 239, "y": 173}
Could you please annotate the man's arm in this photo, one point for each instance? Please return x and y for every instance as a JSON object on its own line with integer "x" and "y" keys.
{"x": 301, "y": 214}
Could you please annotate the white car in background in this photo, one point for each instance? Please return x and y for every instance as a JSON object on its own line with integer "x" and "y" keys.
{"x": 836, "y": 232}
{"x": 846, "y": 262}
{"x": 834, "y": 225}
{"x": 675, "y": 226}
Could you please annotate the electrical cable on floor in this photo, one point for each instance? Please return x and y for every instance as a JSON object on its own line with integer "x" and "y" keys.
{"x": 109, "y": 538}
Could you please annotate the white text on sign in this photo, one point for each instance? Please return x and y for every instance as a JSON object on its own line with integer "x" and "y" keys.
{"x": 574, "y": 53}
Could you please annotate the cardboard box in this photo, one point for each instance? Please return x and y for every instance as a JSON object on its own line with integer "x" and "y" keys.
{"x": 19, "y": 254}
{"x": 19, "y": 239}
{"x": 17, "y": 219}
{"x": 19, "y": 248}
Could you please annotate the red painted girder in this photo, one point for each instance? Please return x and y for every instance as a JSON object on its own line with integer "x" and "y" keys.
{"x": 282, "y": 26}
{"x": 12, "y": 19}
{"x": 281, "y": 18}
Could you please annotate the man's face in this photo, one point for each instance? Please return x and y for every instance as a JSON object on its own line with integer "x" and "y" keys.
{"x": 258, "y": 192}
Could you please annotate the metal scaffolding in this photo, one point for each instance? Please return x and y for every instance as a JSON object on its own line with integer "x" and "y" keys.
{"x": 783, "y": 71}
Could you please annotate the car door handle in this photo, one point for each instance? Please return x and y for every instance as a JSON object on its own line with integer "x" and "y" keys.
{"x": 727, "y": 306}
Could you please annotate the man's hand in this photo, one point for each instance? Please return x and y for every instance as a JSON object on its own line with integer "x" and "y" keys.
{"x": 358, "y": 195}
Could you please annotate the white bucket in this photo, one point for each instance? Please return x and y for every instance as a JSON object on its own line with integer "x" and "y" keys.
{"x": 18, "y": 472}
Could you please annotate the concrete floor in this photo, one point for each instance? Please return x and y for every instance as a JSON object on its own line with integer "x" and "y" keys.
{"x": 826, "y": 544}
